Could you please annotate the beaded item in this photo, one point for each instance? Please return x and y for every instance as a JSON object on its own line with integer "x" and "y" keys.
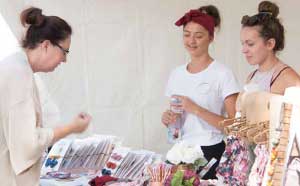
{"x": 279, "y": 144}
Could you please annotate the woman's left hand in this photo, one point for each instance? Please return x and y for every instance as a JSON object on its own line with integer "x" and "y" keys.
{"x": 187, "y": 104}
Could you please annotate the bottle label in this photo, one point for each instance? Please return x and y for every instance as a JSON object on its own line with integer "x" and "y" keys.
{"x": 174, "y": 134}
{"x": 175, "y": 129}
{"x": 175, "y": 102}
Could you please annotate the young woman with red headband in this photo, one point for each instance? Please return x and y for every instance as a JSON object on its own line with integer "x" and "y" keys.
{"x": 205, "y": 87}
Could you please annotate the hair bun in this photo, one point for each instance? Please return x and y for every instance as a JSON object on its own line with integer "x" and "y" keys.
{"x": 212, "y": 11}
{"x": 32, "y": 16}
{"x": 269, "y": 7}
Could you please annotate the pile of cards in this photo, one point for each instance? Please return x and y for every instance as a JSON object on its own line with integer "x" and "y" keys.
{"x": 115, "y": 160}
{"x": 134, "y": 164}
{"x": 87, "y": 154}
{"x": 80, "y": 155}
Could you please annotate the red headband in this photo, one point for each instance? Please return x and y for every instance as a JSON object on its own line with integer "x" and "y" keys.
{"x": 201, "y": 18}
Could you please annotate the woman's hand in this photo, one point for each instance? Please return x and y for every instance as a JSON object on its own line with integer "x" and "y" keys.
{"x": 186, "y": 104}
{"x": 78, "y": 125}
{"x": 80, "y": 122}
{"x": 168, "y": 117}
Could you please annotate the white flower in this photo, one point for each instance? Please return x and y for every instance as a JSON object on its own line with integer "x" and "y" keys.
{"x": 175, "y": 154}
{"x": 184, "y": 153}
{"x": 191, "y": 154}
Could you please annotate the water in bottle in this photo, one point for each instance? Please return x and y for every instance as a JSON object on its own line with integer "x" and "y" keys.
{"x": 175, "y": 129}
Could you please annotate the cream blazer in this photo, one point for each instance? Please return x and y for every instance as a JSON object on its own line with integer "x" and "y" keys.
{"x": 23, "y": 140}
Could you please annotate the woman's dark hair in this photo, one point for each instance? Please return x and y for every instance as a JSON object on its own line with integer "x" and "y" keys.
{"x": 213, "y": 12}
{"x": 42, "y": 28}
{"x": 268, "y": 23}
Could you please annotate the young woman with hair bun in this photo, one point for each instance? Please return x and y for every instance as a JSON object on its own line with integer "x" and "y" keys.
{"x": 262, "y": 37}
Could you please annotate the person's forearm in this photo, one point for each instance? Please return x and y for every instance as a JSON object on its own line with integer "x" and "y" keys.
{"x": 210, "y": 117}
{"x": 61, "y": 132}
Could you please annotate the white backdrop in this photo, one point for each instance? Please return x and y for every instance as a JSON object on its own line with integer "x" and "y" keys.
{"x": 123, "y": 51}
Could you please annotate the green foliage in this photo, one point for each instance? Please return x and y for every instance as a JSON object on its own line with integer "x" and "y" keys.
{"x": 189, "y": 182}
{"x": 199, "y": 162}
{"x": 177, "y": 180}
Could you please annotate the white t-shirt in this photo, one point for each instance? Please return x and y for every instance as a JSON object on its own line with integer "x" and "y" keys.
{"x": 208, "y": 88}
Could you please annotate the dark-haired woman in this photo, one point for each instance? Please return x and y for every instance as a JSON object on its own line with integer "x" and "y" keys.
{"x": 22, "y": 136}
{"x": 262, "y": 37}
{"x": 205, "y": 87}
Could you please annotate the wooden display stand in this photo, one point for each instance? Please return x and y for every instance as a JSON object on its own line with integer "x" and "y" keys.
{"x": 254, "y": 123}
{"x": 276, "y": 178}
{"x": 267, "y": 119}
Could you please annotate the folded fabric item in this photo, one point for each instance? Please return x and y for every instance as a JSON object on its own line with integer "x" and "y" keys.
{"x": 258, "y": 168}
{"x": 101, "y": 181}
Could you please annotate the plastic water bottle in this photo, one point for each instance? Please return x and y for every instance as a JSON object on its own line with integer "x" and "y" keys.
{"x": 175, "y": 129}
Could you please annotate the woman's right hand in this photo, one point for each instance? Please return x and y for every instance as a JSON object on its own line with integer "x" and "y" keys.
{"x": 78, "y": 125}
{"x": 80, "y": 122}
{"x": 168, "y": 117}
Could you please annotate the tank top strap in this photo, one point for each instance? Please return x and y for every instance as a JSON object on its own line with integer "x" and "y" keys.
{"x": 278, "y": 70}
{"x": 251, "y": 75}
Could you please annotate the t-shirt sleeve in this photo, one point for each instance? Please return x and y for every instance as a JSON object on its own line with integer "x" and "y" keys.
{"x": 229, "y": 84}
{"x": 26, "y": 141}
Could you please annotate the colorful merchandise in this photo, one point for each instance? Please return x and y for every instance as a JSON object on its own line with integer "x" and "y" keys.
{"x": 159, "y": 173}
{"x": 183, "y": 178}
{"x": 258, "y": 168}
{"x": 101, "y": 181}
{"x": 234, "y": 165}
